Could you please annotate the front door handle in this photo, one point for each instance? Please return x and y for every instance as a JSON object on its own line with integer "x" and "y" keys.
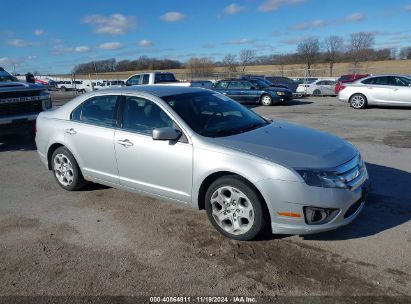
{"x": 71, "y": 131}
{"x": 125, "y": 143}
{"x": 395, "y": 89}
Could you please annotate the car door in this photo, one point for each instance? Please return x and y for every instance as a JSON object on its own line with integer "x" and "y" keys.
{"x": 159, "y": 167}
{"x": 90, "y": 137}
{"x": 250, "y": 93}
{"x": 378, "y": 89}
{"x": 401, "y": 87}
{"x": 329, "y": 87}
{"x": 234, "y": 91}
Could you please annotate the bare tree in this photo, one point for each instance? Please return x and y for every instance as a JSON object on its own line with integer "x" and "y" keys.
{"x": 200, "y": 67}
{"x": 230, "y": 63}
{"x": 246, "y": 57}
{"x": 333, "y": 46}
{"x": 309, "y": 49}
{"x": 405, "y": 53}
{"x": 361, "y": 46}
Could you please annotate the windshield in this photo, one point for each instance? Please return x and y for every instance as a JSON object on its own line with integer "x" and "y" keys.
{"x": 258, "y": 83}
{"x": 6, "y": 77}
{"x": 214, "y": 115}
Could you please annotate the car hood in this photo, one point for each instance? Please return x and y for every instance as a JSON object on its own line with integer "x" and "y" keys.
{"x": 292, "y": 146}
{"x": 19, "y": 86}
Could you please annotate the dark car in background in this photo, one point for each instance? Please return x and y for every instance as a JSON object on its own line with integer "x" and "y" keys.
{"x": 252, "y": 91}
{"x": 281, "y": 80}
{"x": 347, "y": 79}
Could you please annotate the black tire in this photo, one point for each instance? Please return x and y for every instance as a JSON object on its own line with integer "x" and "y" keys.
{"x": 266, "y": 100}
{"x": 317, "y": 92}
{"x": 259, "y": 218}
{"x": 63, "y": 89}
{"x": 78, "y": 180}
{"x": 358, "y": 101}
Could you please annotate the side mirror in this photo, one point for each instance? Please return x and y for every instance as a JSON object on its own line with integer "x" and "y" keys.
{"x": 166, "y": 133}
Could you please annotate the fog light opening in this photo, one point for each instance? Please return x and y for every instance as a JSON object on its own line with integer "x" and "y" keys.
{"x": 318, "y": 216}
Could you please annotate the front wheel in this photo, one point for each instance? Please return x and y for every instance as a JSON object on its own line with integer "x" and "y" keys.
{"x": 266, "y": 100}
{"x": 234, "y": 208}
{"x": 66, "y": 170}
{"x": 358, "y": 101}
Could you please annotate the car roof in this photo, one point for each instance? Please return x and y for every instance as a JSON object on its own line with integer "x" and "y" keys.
{"x": 156, "y": 90}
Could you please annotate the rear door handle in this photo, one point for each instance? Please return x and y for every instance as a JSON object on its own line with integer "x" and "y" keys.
{"x": 71, "y": 131}
{"x": 125, "y": 143}
{"x": 395, "y": 89}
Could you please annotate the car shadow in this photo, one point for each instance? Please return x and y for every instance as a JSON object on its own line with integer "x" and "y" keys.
{"x": 294, "y": 102}
{"x": 20, "y": 141}
{"x": 388, "y": 206}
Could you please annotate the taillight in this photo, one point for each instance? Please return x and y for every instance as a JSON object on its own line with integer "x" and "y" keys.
{"x": 342, "y": 87}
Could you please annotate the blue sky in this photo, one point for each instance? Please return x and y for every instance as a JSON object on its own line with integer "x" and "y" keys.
{"x": 53, "y": 36}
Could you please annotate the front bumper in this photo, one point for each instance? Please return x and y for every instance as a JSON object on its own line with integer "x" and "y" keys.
{"x": 291, "y": 197}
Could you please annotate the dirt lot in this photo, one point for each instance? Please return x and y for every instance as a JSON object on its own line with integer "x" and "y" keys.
{"x": 103, "y": 241}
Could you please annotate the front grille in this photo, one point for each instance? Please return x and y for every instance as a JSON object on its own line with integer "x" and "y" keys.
{"x": 353, "y": 208}
{"x": 352, "y": 171}
{"x": 16, "y": 94}
{"x": 27, "y": 107}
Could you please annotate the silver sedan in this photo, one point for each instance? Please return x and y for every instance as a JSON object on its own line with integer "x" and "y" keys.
{"x": 393, "y": 90}
{"x": 200, "y": 148}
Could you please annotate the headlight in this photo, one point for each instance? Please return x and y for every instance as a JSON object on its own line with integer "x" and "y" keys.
{"x": 280, "y": 93}
{"x": 322, "y": 179}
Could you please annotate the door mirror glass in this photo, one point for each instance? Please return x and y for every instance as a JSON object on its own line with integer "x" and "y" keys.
{"x": 166, "y": 133}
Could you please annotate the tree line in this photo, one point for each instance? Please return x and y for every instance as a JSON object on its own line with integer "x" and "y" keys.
{"x": 359, "y": 47}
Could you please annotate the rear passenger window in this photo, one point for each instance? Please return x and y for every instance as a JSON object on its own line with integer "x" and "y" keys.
{"x": 146, "y": 78}
{"x": 97, "y": 111}
{"x": 221, "y": 85}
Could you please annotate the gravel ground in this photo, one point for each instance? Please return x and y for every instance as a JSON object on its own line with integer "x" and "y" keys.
{"x": 103, "y": 241}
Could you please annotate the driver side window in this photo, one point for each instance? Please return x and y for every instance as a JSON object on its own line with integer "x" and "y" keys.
{"x": 135, "y": 80}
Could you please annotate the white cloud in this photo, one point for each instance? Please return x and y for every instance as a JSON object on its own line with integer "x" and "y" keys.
{"x": 172, "y": 17}
{"x": 31, "y": 57}
{"x": 273, "y": 5}
{"x": 18, "y": 42}
{"x": 408, "y": 8}
{"x": 240, "y": 41}
{"x": 81, "y": 49}
{"x": 116, "y": 24}
{"x": 233, "y": 9}
{"x": 111, "y": 46}
{"x": 355, "y": 17}
{"x": 38, "y": 32}
{"x": 208, "y": 46}
{"x": 145, "y": 43}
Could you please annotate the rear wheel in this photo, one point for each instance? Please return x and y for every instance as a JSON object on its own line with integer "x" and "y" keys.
{"x": 234, "y": 208}
{"x": 266, "y": 100}
{"x": 317, "y": 92}
{"x": 358, "y": 101}
{"x": 63, "y": 89}
{"x": 66, "y": 170}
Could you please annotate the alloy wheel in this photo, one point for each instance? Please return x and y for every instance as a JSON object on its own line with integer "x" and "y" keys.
{"x": 63, "y": 169}
{"x": 232, "y": 210}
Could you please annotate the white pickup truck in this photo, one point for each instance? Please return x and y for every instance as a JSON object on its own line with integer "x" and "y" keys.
{"x": 164, "y": 78}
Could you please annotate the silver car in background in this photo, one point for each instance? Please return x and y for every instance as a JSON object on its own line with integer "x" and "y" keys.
{"x": 320, "y": 87}
{"x": 200, "y": 148}
{"x": 393, "y": 90}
